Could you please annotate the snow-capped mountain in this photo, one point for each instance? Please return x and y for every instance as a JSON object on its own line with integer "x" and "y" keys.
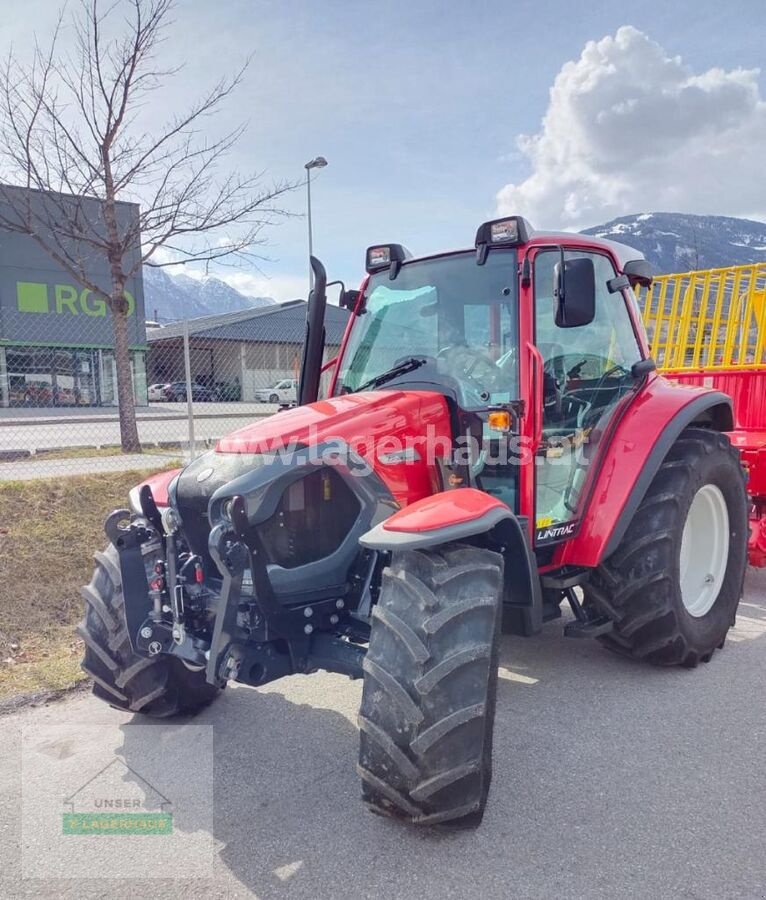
{"x": 170, "y": 297}
{"x": 678, "y": 242}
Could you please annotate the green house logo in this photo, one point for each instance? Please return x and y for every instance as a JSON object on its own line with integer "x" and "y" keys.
{"x": 32, "y": 297}
{"x": 36, "y": 297}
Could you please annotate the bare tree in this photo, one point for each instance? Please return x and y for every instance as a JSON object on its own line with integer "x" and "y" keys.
{"x": 73, "y": 124}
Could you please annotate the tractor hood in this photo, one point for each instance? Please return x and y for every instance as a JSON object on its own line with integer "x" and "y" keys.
{"x": 390, "y": 429}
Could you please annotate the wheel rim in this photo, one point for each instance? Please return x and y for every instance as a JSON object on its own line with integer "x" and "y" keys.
{"x": 704, "y": 550}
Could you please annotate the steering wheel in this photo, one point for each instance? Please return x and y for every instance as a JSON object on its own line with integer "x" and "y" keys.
{"x": 467, "y": 359}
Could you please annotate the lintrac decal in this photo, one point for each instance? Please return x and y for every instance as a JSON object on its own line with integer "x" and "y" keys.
{"x": 548, "y": 533}
{"x": 35, "y": 297}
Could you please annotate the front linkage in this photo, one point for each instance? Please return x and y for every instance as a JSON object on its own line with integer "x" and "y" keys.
{"x": 214, "y": 625}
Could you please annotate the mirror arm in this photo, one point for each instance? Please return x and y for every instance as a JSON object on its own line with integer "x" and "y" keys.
{"x": 561, "y": 292}
{"x": 642, "y": 368}
{"x": 618, "y": 283}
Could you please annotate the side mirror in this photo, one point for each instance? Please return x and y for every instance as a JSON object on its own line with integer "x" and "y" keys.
{"x": 574, "y": 291}
{"x": 639, "y": 272}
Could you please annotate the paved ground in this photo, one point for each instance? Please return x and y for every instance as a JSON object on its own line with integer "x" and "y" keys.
{"x": 611, "y": 780}
{"x": 21, "y": 415}
{"x": 35, "y": 429}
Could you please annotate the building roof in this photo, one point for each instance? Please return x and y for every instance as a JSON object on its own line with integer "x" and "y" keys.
{"x": 283, "y": 323}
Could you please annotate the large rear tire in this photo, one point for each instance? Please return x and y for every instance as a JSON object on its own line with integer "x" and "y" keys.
{"x": 673, "y": 586}
{"x": 430, "y": 680}
{"x": 158, "y": 686}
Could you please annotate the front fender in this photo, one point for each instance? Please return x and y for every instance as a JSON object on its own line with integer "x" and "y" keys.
{"x": 438, "y": 519}
{"x": 465, "y": 513}
{"x": 159, "y": 484}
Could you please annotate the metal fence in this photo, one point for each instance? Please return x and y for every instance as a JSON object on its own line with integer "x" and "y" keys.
{"x": 193, "y": 381}
{"x": 712, "y": 319}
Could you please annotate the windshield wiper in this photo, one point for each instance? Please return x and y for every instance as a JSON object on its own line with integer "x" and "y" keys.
{"x": 408, "y": 365}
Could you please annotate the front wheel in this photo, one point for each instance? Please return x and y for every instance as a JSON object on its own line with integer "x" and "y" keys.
{"x": 673, "y": 585}
{"x": 430, "y": 679}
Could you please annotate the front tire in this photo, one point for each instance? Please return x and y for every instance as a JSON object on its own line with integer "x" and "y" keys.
{"x": 430, "y": 680}
{"x": 673, "y": 585}
{"x": 156, "y": 686}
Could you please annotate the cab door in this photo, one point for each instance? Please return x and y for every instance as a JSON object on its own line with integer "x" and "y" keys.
{"x": 586, "y": 376}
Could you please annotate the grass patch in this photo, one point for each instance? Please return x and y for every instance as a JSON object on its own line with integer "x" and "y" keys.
{"x": 49, "y": 530}
{"x": 88, "y": 452}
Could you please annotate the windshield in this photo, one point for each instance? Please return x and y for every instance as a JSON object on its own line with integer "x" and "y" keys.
{"x": 457, "y": 318}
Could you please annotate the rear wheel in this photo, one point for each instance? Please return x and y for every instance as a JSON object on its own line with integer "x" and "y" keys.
{"x": 430, "y": 679}
{"x": 155, "y": 686}
{"x": 673, "y": 585}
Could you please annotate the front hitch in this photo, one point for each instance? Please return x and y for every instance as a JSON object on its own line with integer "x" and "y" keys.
{"x": 149, "y": 635}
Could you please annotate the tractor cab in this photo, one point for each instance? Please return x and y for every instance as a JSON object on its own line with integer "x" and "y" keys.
{"x": 532, "y": 339}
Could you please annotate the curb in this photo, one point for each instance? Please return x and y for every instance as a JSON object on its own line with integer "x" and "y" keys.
{"x": 15, "y": 703}
{"x": 13, "y": 455}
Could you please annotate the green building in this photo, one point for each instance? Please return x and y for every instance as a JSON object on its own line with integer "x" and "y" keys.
{"x": 56, "y": 344}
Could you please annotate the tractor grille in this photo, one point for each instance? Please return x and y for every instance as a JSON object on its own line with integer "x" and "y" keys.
{"x": 312, "y": 519}
{"x": 196, "y": 485}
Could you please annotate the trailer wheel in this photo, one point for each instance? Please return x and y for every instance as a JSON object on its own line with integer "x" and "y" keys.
{"x": 157, "y": 687}
{"x": 673, "y": 585}
{"x": 430, "y": 679}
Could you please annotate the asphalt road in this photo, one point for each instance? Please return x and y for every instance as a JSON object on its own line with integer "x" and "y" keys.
{"x": 612, "y": 780}
{"x": 159, "y": 422}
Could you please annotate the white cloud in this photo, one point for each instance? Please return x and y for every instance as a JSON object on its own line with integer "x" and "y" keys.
{"x": 279, "y": 287}
{"x": 630, "y": 128}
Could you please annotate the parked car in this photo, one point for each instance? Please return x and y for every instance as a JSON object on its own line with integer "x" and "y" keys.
{"x": 157, "y": 392}
{"x": 176, "y": 392}
{"x": 284, "y": 391}
{"x": 228, "y": 390}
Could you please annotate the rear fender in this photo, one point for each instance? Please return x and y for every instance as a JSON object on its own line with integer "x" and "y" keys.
{"x": 625, "y": 469}
{"x": 469, "y": 513}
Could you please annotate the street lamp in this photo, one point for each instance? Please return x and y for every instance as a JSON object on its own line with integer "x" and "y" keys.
{"x": 318, "y": 163}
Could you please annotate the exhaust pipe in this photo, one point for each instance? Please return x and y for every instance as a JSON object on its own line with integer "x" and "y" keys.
{"x": 314, "y": 341}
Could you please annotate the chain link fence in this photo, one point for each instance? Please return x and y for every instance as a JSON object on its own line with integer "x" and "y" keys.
{"x": 194, "y": 381}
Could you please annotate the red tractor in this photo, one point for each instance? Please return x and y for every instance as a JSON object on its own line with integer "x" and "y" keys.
{"x": 495, "y": 442}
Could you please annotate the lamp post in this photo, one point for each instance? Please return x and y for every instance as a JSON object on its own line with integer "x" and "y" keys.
{"x": 318, "y": 162}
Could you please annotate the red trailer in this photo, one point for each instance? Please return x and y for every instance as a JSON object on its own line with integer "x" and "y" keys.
{"x": 708, "y": 328}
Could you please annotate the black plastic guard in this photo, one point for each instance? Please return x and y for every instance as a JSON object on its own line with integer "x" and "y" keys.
{"x": 128, "y": 541}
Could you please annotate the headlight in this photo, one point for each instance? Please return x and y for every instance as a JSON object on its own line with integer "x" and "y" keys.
{"x": 134, "y": 499}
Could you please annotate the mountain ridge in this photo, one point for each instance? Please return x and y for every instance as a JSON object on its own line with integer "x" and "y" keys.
{"x": 168, "y": 298}
{"x": 679, "y": 242}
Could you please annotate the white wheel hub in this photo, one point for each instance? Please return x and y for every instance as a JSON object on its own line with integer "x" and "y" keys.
{"x": 704, "y": 550}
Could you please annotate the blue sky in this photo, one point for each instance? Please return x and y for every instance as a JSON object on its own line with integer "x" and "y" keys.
{"x": 418, "y": 107}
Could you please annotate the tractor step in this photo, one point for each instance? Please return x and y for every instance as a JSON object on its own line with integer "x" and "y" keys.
{"x": 591, "y": 628}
